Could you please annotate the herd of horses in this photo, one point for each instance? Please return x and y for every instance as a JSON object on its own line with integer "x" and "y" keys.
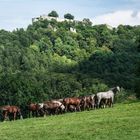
{"x": 59, "y": 106}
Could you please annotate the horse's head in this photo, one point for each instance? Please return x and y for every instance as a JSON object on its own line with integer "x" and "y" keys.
{"x": 116, "y": 89}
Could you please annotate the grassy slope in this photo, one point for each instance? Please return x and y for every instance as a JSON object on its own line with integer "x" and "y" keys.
{"x": 119, "y": 123}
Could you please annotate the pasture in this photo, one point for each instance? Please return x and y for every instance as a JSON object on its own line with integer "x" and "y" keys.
{"x": 122, "y": 122}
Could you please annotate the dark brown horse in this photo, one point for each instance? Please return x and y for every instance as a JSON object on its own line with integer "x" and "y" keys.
{"x": 13, "y": 111}
{"x": 72, "y": 101}
{"x": 87, "y": 102}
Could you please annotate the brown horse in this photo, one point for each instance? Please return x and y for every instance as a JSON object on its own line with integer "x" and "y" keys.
{"x": 10, "y": 110}
{"x": 72, "y": 101}
{"x": 87, "y": 102}
{"x": 33, "y": 109}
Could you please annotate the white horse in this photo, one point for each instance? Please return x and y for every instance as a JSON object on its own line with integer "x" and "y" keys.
{"x": 108, "y": 95}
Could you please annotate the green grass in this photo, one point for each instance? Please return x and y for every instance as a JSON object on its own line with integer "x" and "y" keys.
{"x": 122, "y": 122}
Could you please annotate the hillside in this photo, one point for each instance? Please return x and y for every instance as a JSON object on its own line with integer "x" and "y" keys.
{"x": 50, "y": 61}
{"x": 121, "y": 122}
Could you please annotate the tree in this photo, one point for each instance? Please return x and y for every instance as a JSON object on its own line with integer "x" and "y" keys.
{"x": 138, "y": 71}
{"x": 41, "y": 64}
{"x": 69, "y": 16}
{"x": 87, "y": 21}
{"x": 53, "y": 14}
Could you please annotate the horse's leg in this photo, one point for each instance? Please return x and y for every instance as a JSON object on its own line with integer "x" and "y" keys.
{"x": 14, "y": 116}
{"x": 91, "y": 105}
{"x": 98, "y": 100}
{"x": 36, "y": 113}
{"x": 74, "y": 109}
{"x": 4, "y": 115}
{"x": 105, "y": 103}
{"x": 88, "y": 106}
{"x": 33, "y": 114}
{"x": 66, "y": 108}
{"x": 98, "y": 104}
{"x": 102, "y": 103}
{"x": 29, "y": 114}
{"x": 78, "y": 106}
{"x": 109, "y": 102}
{"x": 112, "y": 100}
{"x": 57, "y": 111}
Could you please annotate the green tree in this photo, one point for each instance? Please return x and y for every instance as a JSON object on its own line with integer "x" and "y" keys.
{"x": 138, "y": 70}
{"x": 69, "y": 16}
{"x": 87, "y": 21}
{"x": 53, "y": 14}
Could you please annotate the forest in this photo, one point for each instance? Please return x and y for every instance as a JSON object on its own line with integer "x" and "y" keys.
{"x": 49, "y": 61}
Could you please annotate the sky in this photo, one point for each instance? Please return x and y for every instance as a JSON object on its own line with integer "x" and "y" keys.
{"x": 19, "y": 13}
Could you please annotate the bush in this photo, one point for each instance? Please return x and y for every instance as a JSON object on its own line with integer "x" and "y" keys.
{"x": 125, "y": 96}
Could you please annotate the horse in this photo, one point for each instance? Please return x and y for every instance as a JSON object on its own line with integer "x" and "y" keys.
{"x": 107, "y": 96}
{"x": 93, "y": 101}
{"x": 72, "y": 101}
{"x": 105, "y": 102}
{"x": 39, "y": 109}
{"x": 53, "y": 107}
{"x": 88, "y": 102}
{"x": 33, "y": 109}
{"x": 59, "y": 100}
{"x": 13, "y": 111}
{"x": 61, "y": 107}
{"x": 72, "y": 108}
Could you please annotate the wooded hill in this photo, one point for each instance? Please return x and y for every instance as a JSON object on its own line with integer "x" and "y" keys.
{"x": 48, "y": 61}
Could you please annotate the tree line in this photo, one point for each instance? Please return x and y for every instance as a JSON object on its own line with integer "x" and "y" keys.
{"x": 42, "y": 63}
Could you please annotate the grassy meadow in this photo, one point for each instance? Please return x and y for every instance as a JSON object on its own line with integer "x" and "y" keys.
{"x": 122, "y": 122}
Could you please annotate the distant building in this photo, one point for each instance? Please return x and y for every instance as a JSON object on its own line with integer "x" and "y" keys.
{"x": 35, "y": 19}
{"x": 43, "y": 17}
{"x": 109, "y": 27}
{"x": 73, "y": 30}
